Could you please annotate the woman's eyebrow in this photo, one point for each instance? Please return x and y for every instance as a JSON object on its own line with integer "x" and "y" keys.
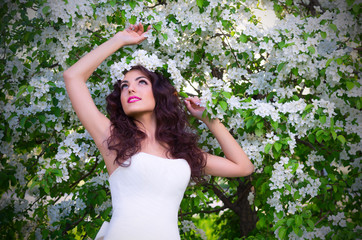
{"x": 138, "y": 78}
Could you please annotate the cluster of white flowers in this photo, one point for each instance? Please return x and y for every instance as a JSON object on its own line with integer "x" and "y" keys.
{"x": 187, "y": 226}
{"x": 251, "y": 197}
{"x": 275, "y": 202}
{"x": 105, "y": 205}
{"x": 280, "y": 175}
{"x": 66, "y": 11}
{"x": 62, "y": 209}
{"x": 100, "y": 179}
{"x": 338, "y": 219}
{"x": 312, "y": 158}
{"x": 139, "y": 57}
{"x": 317, "y": 233}
{"x": 253, "y": 146}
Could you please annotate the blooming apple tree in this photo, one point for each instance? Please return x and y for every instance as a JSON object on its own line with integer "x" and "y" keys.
{"x": 289, "y": 92}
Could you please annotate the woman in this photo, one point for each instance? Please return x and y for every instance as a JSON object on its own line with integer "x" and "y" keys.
{"x": 147, "y": 149}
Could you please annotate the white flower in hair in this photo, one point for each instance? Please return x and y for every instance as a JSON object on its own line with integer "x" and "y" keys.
{"x": 139, "y": 57}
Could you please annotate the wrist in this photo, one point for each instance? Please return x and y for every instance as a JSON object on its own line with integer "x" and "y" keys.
{"x": 118, "y": 40}
{"x": 211, "y": 122}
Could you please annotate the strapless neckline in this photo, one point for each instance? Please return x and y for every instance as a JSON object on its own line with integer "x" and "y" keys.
{"x": 151, "y": 155}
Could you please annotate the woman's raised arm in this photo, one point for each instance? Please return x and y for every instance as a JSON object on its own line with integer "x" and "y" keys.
{"x": 236, "y": 163}
{"x": 76, "y": 76}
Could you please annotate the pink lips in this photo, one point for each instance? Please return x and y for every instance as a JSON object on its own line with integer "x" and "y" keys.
{"x": 133, "y": 99}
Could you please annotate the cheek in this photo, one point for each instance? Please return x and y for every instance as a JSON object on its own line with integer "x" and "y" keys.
{"x": 123, "y": 100}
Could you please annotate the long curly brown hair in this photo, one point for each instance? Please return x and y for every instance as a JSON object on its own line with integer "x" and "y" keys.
{"x": 173, "y": 129}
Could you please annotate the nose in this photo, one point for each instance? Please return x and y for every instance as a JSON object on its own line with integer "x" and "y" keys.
{"x": 131, "y": 88}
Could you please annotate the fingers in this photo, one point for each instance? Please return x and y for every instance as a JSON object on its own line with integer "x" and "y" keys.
{"x": 139, "y": 29}
{"x": 194, "y": 100}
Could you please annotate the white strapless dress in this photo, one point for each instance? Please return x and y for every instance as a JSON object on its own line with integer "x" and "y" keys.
{"x": 145, "y": 198}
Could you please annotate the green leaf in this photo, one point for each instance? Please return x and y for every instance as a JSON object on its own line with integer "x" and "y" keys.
{"x": 164, "y": 35}
{"x": 356, "y": 8}
{"x": 324, "y": 35}
{"x": 295, "y": 71}
{"x": 288, "y": 2}
{"x": 132, "y": 4}
{"x": 243, "y": 38}
{"x": 226, "y": 95}
{"x": 259, "y": 132}
{"x": 290, "y": 221}
{"x": 21, "y": 90}
{"x": 261, "y": 223}
{"x": 274, "y": 125}
{"x": 329, "y": 62}
{"x": 310, "y": 223}
{"x": 332, "y": 123}
{"x": 22, "y": 121}
{"x": 349, "y": 85}
{"x": 333, "y": 27}
{"x": 282, "y": 233}
{"x": 200, "y": 3}
{"x": 249, "y": 123}
{"x": 46, "y": 10}
{"x": 157, "y": 26}
{"x": 278, "y": 146}
{"x": 281, "y": 44}
{"x": 280, "y": 66}
{"x": 323, "y": 119}
{"x": 296, "y": 195}
{"x": 311, "y": 49}
{"x": 334, "y": 134}
{"x": 183, "y": 94}
{"x": 30, "y": 89}
{"x": 341, "y": 139}
{"x": 112, "y": 3}
{"x": 133, "y": 20}
{"x": 268, "y": 169}
{"x": 319, "y": 132}
{"x": 298, "y": 220}
{"x": 223, "y": 105}
{"x": 297, "y": 230}
{"x": 42, "y": 118}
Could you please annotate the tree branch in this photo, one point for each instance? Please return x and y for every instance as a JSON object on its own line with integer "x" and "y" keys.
{"x": 308, "y": 144}
{"x": 73, "y": 224}
{"x": 222, "y": 196}
{"x": 85, "y": 175}
{"x": 204, "y": 211}
{"x": 322, "y": 218}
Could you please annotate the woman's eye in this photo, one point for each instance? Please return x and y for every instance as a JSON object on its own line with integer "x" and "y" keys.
{"x": 143, "y": 82}
{"x": 123, "y": 86}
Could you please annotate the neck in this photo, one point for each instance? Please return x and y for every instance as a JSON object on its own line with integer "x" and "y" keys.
{"x": 147, "y": 124}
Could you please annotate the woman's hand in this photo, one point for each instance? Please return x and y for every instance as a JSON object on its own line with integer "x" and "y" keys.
{"x": 193, "y": 105}
{"x": 132, "y": 35}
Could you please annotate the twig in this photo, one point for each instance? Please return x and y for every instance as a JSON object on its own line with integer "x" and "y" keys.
{"x": 322, "y": 218}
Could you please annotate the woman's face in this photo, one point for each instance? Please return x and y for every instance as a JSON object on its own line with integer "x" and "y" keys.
{"x": 136, "y": 94}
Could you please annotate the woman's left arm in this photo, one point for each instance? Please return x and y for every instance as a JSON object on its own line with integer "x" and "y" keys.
{"x": 236, "y": 163}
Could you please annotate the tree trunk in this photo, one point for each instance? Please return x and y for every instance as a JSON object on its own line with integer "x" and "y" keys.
{"x": 246, "y": 213}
